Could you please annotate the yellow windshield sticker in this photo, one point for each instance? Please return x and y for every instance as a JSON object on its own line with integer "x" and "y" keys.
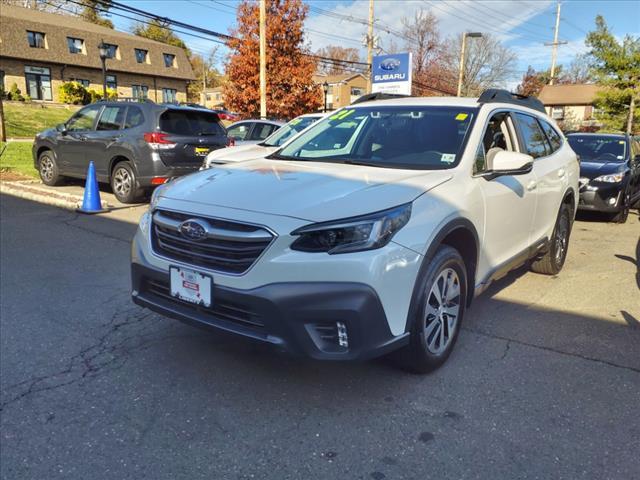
{"x": 341, "y": 114}
{"x": 621, "y": 142}
{"x": 295, "y": 121}
{"x": 462, "y": 116}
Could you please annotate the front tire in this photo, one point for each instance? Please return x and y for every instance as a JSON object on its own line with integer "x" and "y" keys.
{"x": 48, "y": 169}
{"x": 124, "y": 183}
{"x": 622, "y": 215}
{"x": 437, "y": 311}
{"x": 553, "y": 260}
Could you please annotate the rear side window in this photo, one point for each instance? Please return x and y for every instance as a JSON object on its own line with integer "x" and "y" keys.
{"x": 554, "y": 137}
{"x": 186, "y": 122}
{"x": 134, "y": 118}
{"x": 533, "y": 138}
{"x": 262, "y": 131}
{"x": 111, "y": 118}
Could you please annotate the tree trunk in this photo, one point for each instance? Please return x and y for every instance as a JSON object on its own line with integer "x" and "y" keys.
{"x": 632, "y": 104}
{"x": 3, "y": 132}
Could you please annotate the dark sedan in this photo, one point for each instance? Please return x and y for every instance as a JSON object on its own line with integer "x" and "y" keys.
{"x": 609, "y": 172}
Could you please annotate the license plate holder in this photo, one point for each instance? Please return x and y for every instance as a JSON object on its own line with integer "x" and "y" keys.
{"x": 202, "y": 151}
{"x": 191, "y": 286}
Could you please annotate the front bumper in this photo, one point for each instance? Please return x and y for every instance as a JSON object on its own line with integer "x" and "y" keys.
{"x": 298, "y": 317}
{"x": 598, "y": 198}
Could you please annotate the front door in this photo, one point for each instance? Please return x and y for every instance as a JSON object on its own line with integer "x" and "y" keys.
{"x": 73, "y": 143}
{"x": 38, "y": 80}
{"x": 509, "y": 200}
{"x": 106, "y": 134}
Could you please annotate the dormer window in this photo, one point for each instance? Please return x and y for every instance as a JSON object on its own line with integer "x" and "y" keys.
{"x": 112, "y": 50}
{"x": 36, "y": 39}
{"x": 169, "y": 60}
{"x": 76, "y": 45}
{"x": 142, "y": 56}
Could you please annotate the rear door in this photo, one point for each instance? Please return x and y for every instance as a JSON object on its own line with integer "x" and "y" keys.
{"x": 241, "y": 132}
{"x": 261, "y": 130}
{"x": 550, "y": 171}
{"x": 194, "y": 133}
{"x": 72, "y": 145}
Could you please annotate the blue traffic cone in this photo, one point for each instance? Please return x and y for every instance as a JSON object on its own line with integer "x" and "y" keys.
{"x": 91, "y": 202}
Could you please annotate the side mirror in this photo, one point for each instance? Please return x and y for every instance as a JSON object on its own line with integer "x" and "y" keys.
{"x": 62, "y": 128}
{"x": 509, "y": 163}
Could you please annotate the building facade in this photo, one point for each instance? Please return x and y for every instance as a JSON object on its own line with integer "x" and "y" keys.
{"x": 342, "y": 89}
{"x": 40, "y": 51}
{"x": 571, "y": 106}
{"x": 212, "y": 97}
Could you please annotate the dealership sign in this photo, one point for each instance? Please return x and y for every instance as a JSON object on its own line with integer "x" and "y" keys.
{"x": 392, "y": 73}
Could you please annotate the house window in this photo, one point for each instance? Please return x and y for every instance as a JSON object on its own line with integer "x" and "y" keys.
{"x": 82, "y": 81}
{"x": 36, "y": 39}
{"x": 112, "y": 82}
{"x": 357, "y": 91}
{"x": 169, "y": 60}
{"x": 557, "y": 113}
{"x": 76, "y": 45}
{"x": 208, "y": 97}
{"x": 139, "y": 92}
{"x": 142, "y": 56}
{"x": 169, "y": 95}
{"x": 112, "y": 50}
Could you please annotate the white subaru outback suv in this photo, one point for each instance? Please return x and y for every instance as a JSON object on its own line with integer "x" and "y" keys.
{"x": 370, "y": 232}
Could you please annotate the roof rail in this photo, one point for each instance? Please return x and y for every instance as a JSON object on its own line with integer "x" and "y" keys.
{"x": 496, "y": 95}
{"x": 377, "y": 96}
{"x": 126, "y": 99}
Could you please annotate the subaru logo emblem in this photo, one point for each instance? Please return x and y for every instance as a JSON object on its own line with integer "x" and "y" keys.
{"x": 193, "y": 230}
{"x": 390, "y": 64}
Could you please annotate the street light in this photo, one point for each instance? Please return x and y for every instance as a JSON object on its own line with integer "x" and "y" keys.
{"x": 104, "y": 54}
{"x": 464, "y": 42}
{"x": 325, "y": 89}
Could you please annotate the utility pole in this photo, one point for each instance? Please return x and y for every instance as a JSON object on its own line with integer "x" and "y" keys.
{"x": 554, "y": 51}
{"x": 632, "y": 105}
{"x": 204, "y": 83}
{"x": 3, "y": 132}
{"x": 462, "y": 53}
{"x": 263, "y": 59}
{"x": 370, "y": 41}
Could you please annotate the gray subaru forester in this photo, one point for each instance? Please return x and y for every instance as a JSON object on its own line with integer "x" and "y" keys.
{"x": 135, "y": 146}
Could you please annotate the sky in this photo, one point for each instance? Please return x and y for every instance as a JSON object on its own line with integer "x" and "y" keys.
{"x": 523, "y": 26}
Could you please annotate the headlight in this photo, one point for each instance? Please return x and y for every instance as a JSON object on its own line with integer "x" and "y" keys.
{"x": 144, "y": 222}
{"x": 155, "y": 196}
{"x": 614, "y": 178}
{"x": 352, "y": 234}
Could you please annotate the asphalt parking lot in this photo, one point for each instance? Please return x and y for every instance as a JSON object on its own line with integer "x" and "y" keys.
{"x": 544, "y": 382}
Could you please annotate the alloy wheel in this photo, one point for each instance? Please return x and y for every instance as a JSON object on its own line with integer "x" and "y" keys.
{"x": 442, "y": 311}
{"x": 561, "y": 240}
{"x": 46, "y": 168}
{"x": 122, "y": 182}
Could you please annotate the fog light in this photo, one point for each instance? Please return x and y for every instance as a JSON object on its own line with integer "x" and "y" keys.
{"x": 612, "y": 201}
{"x": 343, "y": 338}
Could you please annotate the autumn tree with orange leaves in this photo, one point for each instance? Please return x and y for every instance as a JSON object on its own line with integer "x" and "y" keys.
{"x": 290, "y": 87}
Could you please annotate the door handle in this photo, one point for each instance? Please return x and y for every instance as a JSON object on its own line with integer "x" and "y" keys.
{"x": 561, "y": 173}
{"x": 532, "y": 185}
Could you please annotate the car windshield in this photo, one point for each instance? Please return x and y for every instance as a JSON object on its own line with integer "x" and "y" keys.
{"x": 411, "y": 137}
{"x": 190, "y": 122}
{"x": 289, "y": 130}
{"x": 594, "y": 148}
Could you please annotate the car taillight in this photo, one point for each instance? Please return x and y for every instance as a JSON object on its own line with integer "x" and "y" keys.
{"x": 231, "y": 142}
{"x": 158, "y": 140}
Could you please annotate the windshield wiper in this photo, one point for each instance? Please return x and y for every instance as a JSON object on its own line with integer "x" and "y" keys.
{"x": 275, "y": 156}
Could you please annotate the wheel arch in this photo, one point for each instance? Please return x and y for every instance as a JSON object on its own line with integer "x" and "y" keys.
{"x": 569, "y": 198}
{"x": 44, "y": 148}
{"x": 119, "y": 158}
{"x": 461, "y": 234}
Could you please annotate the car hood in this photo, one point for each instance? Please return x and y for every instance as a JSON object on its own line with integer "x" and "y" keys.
{"x": 239, "y": 153}
{"x": 311, "y": 191}
{"x": 592, "y": 170}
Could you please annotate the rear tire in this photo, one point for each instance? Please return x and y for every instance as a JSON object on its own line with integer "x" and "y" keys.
{"x": 124, "y": 183}
{"x": 553, "y": 260}
{"x": 48, "y": 169}
{"x": 437, "y": 311}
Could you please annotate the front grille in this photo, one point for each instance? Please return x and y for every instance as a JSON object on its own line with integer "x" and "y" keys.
{"x": 228, "y": 247}
{"x": 224, "y": 310}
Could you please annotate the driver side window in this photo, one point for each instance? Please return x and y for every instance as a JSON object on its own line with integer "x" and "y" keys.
{"x": 498, "y": 136}
{"x": 84, "y": 119}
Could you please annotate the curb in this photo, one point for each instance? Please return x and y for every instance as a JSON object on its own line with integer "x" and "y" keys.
{"x": 30, "y": 190}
